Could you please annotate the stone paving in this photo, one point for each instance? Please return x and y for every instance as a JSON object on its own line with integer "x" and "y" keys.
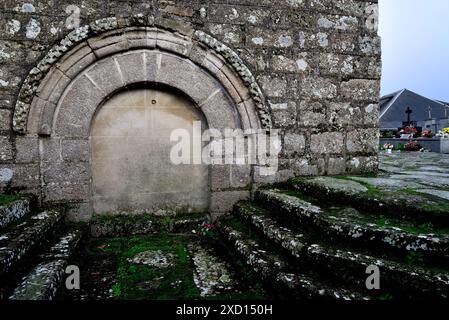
{"x": 410, "y": 186}
{"x": 423, "y": 172}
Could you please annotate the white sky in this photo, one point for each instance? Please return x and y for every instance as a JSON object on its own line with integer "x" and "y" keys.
{"x": 415, "y": 46}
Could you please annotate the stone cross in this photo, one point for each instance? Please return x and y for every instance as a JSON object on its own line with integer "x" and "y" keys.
{"x": 408, "y": 112}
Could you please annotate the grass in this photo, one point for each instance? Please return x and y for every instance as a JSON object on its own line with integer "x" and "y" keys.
{"x": 137, "y": 282}
{"x": 433, "y": 203}
{"x": 142, "y": 282}
{"x": 7, "y": 199}
{"x": 425, "y": 228}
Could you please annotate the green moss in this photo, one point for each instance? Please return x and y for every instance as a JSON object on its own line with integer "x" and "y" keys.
{"x": 114, "y": 245}
{"x": 432, "y": 203}
{"x": 145, "y": 216}
{"x": 136, "y": 282}
{"x": 381, "y": 221}
{"x": 386, "y": 297}
{"x": 299, "y": 195}
{"x": 142, "y": 282}
{"x": 415, "y": 259}
{"x": 372, "y": 190}
{"x": 7, "y": 199}
{"x": 236, "y": 224}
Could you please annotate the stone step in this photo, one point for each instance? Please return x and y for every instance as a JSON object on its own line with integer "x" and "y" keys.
{"x": 346, "y": 264}
{"x": 275, "y": 270}
{"x": 127, "y": 225}
{"x": 400, "y": 204}
{"x": 13, "y": 211}
{"x": 22, "y": 239}
{"x": 43, "y": 281}
{"x": 350, "y": 225}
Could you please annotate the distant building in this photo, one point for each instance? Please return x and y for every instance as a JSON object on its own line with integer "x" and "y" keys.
{"x": 398, "y": 108}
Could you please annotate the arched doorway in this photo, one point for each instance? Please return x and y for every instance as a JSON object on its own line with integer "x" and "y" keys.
{"x": 130, "y": 155}
{"x": 58, "y": 106}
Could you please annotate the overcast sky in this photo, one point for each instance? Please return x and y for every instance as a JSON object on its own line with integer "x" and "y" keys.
{"x": 415, "y": 46}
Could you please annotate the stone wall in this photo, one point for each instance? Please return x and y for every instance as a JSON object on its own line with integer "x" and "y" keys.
{"x": 317, "y": 63}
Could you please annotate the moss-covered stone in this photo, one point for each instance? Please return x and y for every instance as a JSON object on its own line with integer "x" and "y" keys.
{"x": 22, "y": 239}
{"x": 12, "y": 208}
{"x": 125, "y": 225}
{"x": 162, "y": 266}
{"x": 346, "y": 263}
{"x": 401, "y": 204}
{"x": 275, "y": 270}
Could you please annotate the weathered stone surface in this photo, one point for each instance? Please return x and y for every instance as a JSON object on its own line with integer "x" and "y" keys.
{"x": 333, "y": 184}
{"x": 363, "y": 140}
{"x": 439, "y": 193}
{"x": 43, "y": 282}
{"x": 284, "y": 114}
{"x": 343, "y": 114}
{"x": 6, "y": 151}
{"x": 17, "y": 243}
{"x": 412, "y": 205}
{"x": 5, "y": 120}
{"x": 27, "y": 149}
{"x": 157, "y": 259}
{"x": 272, "y": 268}
{"x": 318, "y": 88}
{"x": 212, "y": 275}
{"x": 294, "y": 143}
{"x": 352, "y": 226}
{"x": 365, "y": 90}
{"x": 336, "y": 166}
{"x": 223, "y": 201}
{"x": 311, "y": 114}
{"x": 273, "y": 87}
{"x": 417, "y": 281}
{"x": 78, "y": 107}
{"x": 328, "y": 142}
{"x": 318, "y": 62}
{"x": 13, "y": 212}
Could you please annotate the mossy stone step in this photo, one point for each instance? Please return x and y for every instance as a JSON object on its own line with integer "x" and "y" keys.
{"x": 140, "y": 224}
{"x": 12, "y": 210}
{"x": 273, "y": 269}
{"x": 25, "y": 237}
{"x": 43, "y": 282}
{"x": 350, "y": 225}
{"x": 401, "y": 204}
{"x": 345, "y": 264}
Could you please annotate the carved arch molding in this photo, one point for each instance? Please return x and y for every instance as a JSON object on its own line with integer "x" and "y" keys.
{"x": 60, "y": 95}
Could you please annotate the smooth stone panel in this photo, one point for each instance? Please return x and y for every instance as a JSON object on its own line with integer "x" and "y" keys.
{"x": 130, "y": 155}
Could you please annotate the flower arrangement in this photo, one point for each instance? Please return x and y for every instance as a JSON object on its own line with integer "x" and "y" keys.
{"x": 388, "y": 147}
{"x": 413, "y": 146}
{"x": 444, "y": 133}
{"x": 408, "y": 130}
{"x": 427, "y": 133}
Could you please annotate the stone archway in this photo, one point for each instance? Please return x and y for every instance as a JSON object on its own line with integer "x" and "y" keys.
{"x": 130, "y": 155}
{"x": 60, "y": 98}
